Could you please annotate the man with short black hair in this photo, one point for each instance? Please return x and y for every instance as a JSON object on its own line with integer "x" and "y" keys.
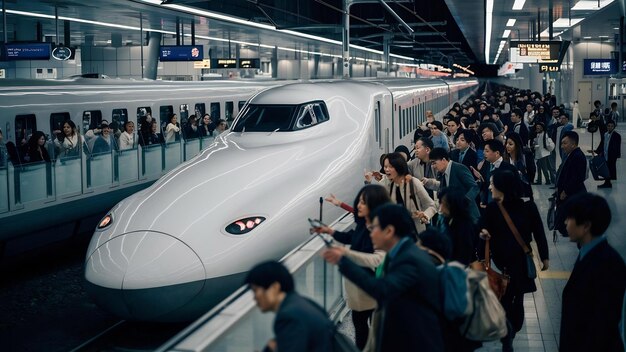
{"x": 570, "y": 178}
{"x": 610, "y": 148}
{"x": 494, "y": 150}
{"x": 300, "y": 324}
{"x": 517, "y": 125}
{"x": 592, "y": 298}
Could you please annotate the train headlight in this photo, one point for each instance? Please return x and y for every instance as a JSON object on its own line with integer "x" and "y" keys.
{"x": 245, "y": 225}
{"x": 106, "y": 221}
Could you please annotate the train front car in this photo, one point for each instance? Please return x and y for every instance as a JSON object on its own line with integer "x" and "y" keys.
{"x": 174, "y": 250}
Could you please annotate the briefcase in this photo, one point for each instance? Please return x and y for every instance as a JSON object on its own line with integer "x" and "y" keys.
{"x": 599, "y": 168}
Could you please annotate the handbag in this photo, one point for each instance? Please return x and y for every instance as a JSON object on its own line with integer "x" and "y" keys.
{"x": 599, "y": 168}
{"x": 530, "y": 265}
{"x": 497, "y": 281}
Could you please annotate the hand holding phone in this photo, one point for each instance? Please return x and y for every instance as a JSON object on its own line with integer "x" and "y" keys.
{"x": 316, "y": 223}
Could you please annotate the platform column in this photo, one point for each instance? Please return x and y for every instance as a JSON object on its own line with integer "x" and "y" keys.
{"x": 152, "y": 63}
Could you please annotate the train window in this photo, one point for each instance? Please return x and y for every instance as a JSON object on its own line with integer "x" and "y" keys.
{"x": 165, "y": 112}
{"x": 142, "y": 111}
{"x": 119, "y": 117}
{"x": 215, "y": 111}
{"x": 241, "y": 104}
{"x": 91, "y": 119}
{"x": 56, "y": 121}
{"x": 310, "y": 114}
{"x": 184, "y": 114}
{"x": 200, "y": 110}
{"x": 273, "y": 118}
{"x": 25, "y": 126}
{"x": 229, "y": 107}
{"x": 377, "y": 123}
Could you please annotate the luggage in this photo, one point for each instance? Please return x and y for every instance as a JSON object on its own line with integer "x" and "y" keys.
{"x": 599, "y": 168}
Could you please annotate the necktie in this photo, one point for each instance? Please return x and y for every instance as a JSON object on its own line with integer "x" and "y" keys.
{"x": 442, "y": 181}
{"x": 492, "y": 167}
{"x": 462, "y": 155}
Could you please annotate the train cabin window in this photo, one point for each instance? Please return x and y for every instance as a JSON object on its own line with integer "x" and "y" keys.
{"x": 215, "y": 111}
{"x": 25, "y": 126}
{"x": 57, "y": 120}
{"x": 119, "y": 117}
{"x": 241, "y": 104}
{"x": 200, "y": 110}
{"x": 184, "y": 114}
{"x": 274, "y": 118}
{"x": 165, "y": 112}
{"x": 229, "y": 107}
{"x": 91, "y": 119}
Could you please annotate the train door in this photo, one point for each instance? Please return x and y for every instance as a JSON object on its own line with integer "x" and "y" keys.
{"x": 386, "y": 122}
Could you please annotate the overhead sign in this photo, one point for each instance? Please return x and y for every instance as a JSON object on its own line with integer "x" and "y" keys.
{"x": 62, "y": 53}
{"x": 549, "y": 68}
{"x": 181, "y": 53}
{"x": 535, "y": 51}
{"x": 206, "y": 63}
{"x": 249, "y": 63}
{"x": 599, "y": 67}
{"x": 223, "y": 63}
{"x": 26, "y": 51}
{"x": 508, "y": 68}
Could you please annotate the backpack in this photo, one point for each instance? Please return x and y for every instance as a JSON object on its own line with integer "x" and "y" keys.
{"x": 487, "y": 320}
{"x": 453, "y": 286}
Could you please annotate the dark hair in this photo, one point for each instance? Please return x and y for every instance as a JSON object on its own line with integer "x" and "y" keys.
{"x": 171, "y": 117}
{"x": 613, "y": 105}
{"x": 403, "y": 149}
{"x": 373, "y": 196}
{"x": 426, "y": 142}
{"x": 495, "y": 145}
{"x": 33, "y": 141}
{"x": 438, "y": 154}
{"x": 455, "y": 120}
{"x": 515, "y": 137}
{"x": 571, "y": 135}
{"x": 267, "y": 273}
{"x": 397, "y": 216}
{"x": 437, "y": 124}
{"x": 491, "y": 126}
{"x": 611, "y": 122}
{"x": 436, "y": 242}
{"x": 457, "y": 202}
{"x": 508, "y": 183}
{"x": 70, "y": 123}
{"x": 397, "y": 162}
{"x": 592, "y": 208}
{"x": 518, "y": 112}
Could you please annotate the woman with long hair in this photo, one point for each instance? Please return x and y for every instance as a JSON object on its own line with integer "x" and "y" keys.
{"x": 68, "y": 141}
{"x": 507, "y": 252}
{"x": 36, "y": 148}
{"x": 172, "y": 129}
{"x": 514, "y": 154}
{"x": 361, "y": 252}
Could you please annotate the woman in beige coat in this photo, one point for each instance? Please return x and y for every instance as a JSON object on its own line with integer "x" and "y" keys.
{"x": 361, "y": 252}
{"x": 406, "y": 190}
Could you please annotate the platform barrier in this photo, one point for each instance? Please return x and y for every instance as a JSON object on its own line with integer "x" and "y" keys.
{"x": 236, "y": 324}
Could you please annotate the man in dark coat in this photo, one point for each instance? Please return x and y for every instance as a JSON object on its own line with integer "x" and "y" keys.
{"x": 610, "y": 148}
{"x": 463, "y": 153}
{"x": 300, "y": 324}
{"x": 592, "y": 297}
{"x": 407, "y": 288}
{"x": 494, "y": 149}
{"x": 572, "y": 173}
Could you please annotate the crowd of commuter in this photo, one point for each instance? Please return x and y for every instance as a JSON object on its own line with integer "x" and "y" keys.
{"x": 102, "y": 137}
{"x": 466, "y": 195}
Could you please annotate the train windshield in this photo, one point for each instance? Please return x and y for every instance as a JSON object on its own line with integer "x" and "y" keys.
{"x": 280, "y": 118}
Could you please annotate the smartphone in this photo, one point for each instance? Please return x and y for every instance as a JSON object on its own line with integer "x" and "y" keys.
{"x": 328, "y": 243}
{"x": 316, "y": 223}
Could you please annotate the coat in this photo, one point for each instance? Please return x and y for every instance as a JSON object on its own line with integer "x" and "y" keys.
{"x": 301, "y": 325}
{"x": 507, "y": 254}
{"x": 572, "y": 174}
{"x": 470, "y": 158}
{"x": 592, "y": 302}
{"x": 614, "y": 152}
{"x": 407, "y": 295}
{"x": 461, "y": 179}
{"x": 424, "y": 202}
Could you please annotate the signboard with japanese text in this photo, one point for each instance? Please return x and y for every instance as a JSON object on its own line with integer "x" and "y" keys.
{"x": 181, "y": 53}
{"x": 599, "y": 67}
{"x": 249, "y": 63}
{"x": 535, "y": 51}
{"x": 549, "y": 68}
{"x": 223, "y": 63}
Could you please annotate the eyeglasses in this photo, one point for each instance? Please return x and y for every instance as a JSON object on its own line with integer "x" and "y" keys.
{"x": 371, "y": 227}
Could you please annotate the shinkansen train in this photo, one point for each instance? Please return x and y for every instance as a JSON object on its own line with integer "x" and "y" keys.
{"x": 173, "y": 250}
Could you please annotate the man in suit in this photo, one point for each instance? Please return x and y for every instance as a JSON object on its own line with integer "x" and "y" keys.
{"x": 300, "y": 324}
{"x": 453, "y": 175}
{"x": 407, "y": 289}
{"x": 420, "y": 167}
{"x": 592, "y": 298}
{"x": 494, "y": 149}
{"x": 517, "y": 125}
{"x": 570, "y": 178}
{"x": 610, "y": 147}
{"x": 463, "y": 153}
{"x": 564, "y": 126}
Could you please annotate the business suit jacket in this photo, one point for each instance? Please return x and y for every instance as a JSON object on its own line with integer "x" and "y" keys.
{"x": 407, "y": 294}
{"x": 485, "y": 172}
{"x": 461, "y": 179}
{"x": 592, "y": 302}
{"x": 302, "y": 325}
{"x": 614, "y": 152}
{"x": 470, "y": 159}
{"x": 572, "y": 174}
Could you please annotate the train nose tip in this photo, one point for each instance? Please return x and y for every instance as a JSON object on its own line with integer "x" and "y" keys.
{"x": 143, "y": 275}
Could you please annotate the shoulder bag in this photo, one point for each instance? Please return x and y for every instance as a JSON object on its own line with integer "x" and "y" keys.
{"x": 530, "y": 265}
{"x": 497, "y": 281}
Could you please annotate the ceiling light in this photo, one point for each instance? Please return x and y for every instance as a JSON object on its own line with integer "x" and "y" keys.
{"x": 565, "y": 22}
{"x": 511, "y": 22}
{"x": 603, "y": 36}
{"x": 586, "y": 37}
{"x": 591, "y": 5}
{"x": 506, "y": 33}
{"x": 616, "y": 28}
{"x": 488, "y": 24}
{"x": 519, "y": 4}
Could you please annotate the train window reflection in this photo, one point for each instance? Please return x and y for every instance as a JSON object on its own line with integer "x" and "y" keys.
{"x": 200, "y": 110}
{"x": 91, "y": 120}
{"x": 25, "y": 125}
{"x": 265, "y": 118}
{"x": 229, "y": 110}
{"x": 215, "y": 111}
{"x": 56, "y": 122}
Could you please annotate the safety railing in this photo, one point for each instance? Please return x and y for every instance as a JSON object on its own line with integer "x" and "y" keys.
{"x": 237, "y": 325}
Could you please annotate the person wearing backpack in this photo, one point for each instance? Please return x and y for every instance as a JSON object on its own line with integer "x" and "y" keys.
{"x": 510, "y": 224}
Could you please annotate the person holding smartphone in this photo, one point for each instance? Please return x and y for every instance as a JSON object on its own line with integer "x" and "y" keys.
{"x": 361, "y": 252}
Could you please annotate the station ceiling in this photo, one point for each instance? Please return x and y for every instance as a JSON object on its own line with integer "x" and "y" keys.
{"x": 444, "y": 31}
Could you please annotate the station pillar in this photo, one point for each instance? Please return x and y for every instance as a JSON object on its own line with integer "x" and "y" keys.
{"x": 152, "y": 61}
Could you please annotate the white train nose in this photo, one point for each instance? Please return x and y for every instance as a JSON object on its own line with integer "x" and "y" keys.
{"x": 153, "y": 272}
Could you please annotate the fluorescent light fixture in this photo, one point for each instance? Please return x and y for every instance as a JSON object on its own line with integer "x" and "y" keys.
{"x": 488, "y": 24}
{"x": 590, "y": 5}
{"x": 511, "y": 22}
{"x": 603, "y": 36}
{"x": 506, "y": 33}
{"x": 616, "y": 28}
{"x": 586, "y": 37}
{"x": 519, "y": 4}
{"x": 554, "y": 33}
{"x": 565, "y": 22}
